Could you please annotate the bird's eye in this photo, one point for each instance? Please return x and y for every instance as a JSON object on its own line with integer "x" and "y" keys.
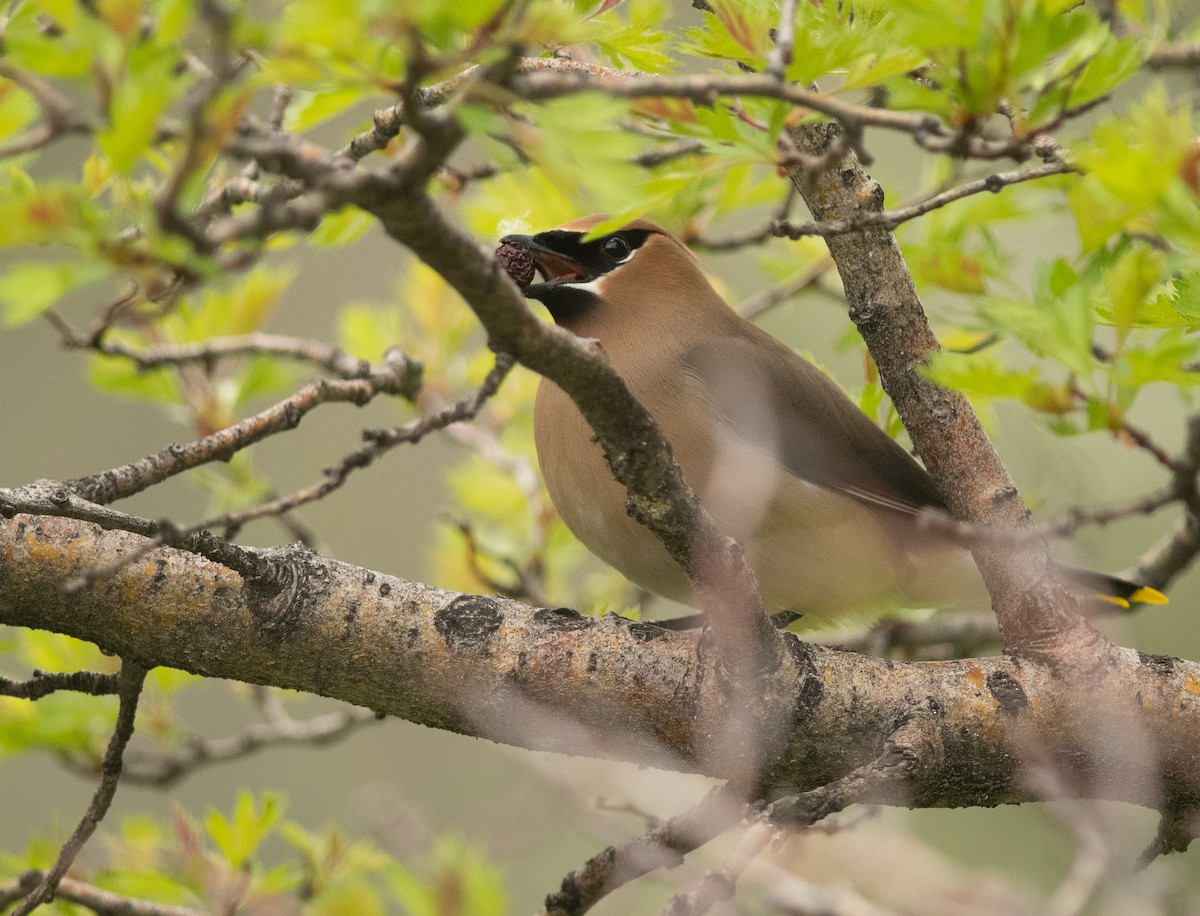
{"x": 616, "y": 248}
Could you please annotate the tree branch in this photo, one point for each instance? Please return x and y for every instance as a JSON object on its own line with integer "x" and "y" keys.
{"x": 55, "y": 499}
{"x": 166, "y": 769}
{"x": 397, "y": 376}
{"x": 129, "y": 690}
{"x": 546, "y": 78}
{"x": 196, "y": 537}
{"x": 758, "y": 303}
{"x": 1182, "y": 54}
{"x": 890, "y": 219}
{"x": 663, "y": 846}
{"x": 210, "y": 351}
{"x": 1037, "y": 617}
{"x": 514, "y": 673}
{"x": 785, "y": 39}
{"x": 94, "y": 898}
{"x": 43, "y": 683}
{"x": 720, "y": 885}
{"x": 58, "y": 114}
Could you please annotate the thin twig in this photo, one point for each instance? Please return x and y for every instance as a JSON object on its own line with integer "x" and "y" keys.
{"x": 791, "y": 895}
{"x": 755, "y": 236}
{"x": 43, "y": 683}
{"x": 669, "y": 153}
{"x": 280, "y": 101}
{"x": 130, "y": 680}
{"x": 48, "y": 497}
{"x": 1176, "y": 550}
{"x": 1169, "y": 556}
{"x": 379, "y": 443}
{"x": 210, "y": 351}
{"x": 915, "y": 742}
{"x": 209, "y": 84}
{"x": 753, "y": 306}
{"x": 1143, "y": 440}
{"x": 719, "y": 885}
{"x": 1075, "y": 519}
{"x": 1174, "y": 54}
{"x": 524, "y": 588}
{"x": 780, "y": 57}
{"x": 945, "y": 635}
{"x": 545, "y": 78}
{"x": 58, "y": 114}
{"x": 166, "y": 769}
{"x": 398, "y": 376}
{"x": 890, "y": 219}
{"x": 663, "y": 846}
{"x": 1053, "y": 783}
{"x": 94, "y": 898}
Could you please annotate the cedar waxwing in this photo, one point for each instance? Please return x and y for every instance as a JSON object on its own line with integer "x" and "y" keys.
{"x": 822, "y": 500}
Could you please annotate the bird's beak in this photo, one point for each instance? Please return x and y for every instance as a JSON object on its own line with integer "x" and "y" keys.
{"x": 554, "y": 266}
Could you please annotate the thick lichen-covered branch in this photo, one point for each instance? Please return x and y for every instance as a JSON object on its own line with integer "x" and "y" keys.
{"x": 515, "y": 673}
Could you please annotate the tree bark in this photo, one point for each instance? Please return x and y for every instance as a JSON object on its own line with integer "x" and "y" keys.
{"x": 1038, "y": 618}
{"x": 550, "y": 679}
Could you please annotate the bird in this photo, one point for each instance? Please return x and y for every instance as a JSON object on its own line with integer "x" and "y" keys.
{"x": 826, "y": 505}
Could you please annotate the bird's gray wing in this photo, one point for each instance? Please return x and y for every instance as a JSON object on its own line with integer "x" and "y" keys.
{"x": 769, "y": 396}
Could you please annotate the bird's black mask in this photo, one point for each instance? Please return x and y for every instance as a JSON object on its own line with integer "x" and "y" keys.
{"x": 570, "y": 266}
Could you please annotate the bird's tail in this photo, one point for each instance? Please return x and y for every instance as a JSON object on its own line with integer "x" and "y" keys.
{"x": 1112, "y": 589}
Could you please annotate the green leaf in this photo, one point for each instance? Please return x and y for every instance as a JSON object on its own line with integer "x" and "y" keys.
{"x": 17, "y": 108}
{"x": 640, "y": 42}
{"x": 343, "y": 227}
{"x": 240, "y": 308}
{"x": 152, "y": 83}
{"x": 147, "y": 885}
{"x": 1056, "y": 324}
{"x": 1130, "y": 281}
{"x": 27, "y": 290}
{"x": 239, "y": 836}
{"x": 69, "y": 54}
{"x": 116, "y": 375}
{"x": 1112, "y": 65}
{"x": 460, "y": 874}
{"x": 585, "y": 158}
{"x": 367, "y": 332}
{"x": 171, "y": 20}
{"x": 979, "y": 375}
{"x": 262, "y": 374}
{"x": 947, "y": 266}
{"x": 71, "y": 724}
{"x": 50, "y": 212}
{"x": 1099, "y": 214}
{"x": 1170, "y": 358}
{"x": 1136, "y": 156}
{"x": 311, "y": 108}
{"x": 735, "y": 30}
{"x": 1184, "y": 297}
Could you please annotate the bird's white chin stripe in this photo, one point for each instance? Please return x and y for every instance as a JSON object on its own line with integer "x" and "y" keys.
{"x": 591, "y": 286}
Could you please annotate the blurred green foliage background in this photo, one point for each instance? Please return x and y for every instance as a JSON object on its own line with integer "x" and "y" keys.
{"x": 1068, "y": 306}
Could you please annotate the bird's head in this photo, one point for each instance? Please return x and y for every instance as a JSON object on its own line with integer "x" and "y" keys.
{"x": 622, "y": 275}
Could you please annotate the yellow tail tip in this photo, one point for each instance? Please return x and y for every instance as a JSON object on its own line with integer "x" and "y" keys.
{"x": 1148, "y": 595}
